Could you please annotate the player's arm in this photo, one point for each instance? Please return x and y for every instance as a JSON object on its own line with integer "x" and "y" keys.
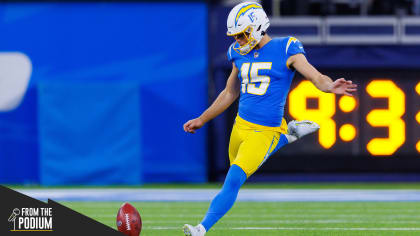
{"x": 222, "y": 102}
{"x": 322, "y": 82}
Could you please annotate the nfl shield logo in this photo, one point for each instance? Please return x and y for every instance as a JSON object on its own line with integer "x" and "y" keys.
{"x": 256, "y": 54}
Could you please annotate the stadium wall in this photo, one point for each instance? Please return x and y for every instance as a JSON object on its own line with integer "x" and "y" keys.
{"x": 108, "y": 93}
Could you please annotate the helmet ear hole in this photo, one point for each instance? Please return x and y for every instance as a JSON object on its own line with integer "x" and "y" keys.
{"x": 259, "y": 27}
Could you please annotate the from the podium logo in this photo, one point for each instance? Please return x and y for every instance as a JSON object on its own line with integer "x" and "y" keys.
{"x": 31, "y": 219}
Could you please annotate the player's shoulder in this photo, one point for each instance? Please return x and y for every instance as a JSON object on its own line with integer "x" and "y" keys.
{"x": 232, "y": 54}
{"x": 290, "y": 45}
{"x": 284, "y": 41}
{"x": 280, "y": 43}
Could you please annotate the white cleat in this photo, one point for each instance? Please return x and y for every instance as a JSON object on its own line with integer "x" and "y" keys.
{"x": 190, "y": 230}
{"x": 298, "y": 129}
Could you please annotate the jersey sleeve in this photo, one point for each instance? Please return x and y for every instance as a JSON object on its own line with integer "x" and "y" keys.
{"x": 230, "y": 53}
{"x": 293, "y": 47}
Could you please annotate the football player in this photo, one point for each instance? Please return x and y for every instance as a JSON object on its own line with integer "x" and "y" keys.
{"x": 262, "y": 71}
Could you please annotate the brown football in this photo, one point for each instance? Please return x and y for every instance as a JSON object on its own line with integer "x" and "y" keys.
{"x": 129, "y": 220}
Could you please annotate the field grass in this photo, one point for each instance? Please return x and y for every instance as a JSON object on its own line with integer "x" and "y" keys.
{"x": 270, "y": 218}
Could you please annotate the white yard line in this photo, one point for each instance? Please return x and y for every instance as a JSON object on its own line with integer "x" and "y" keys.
{"x": 339, "y": 229}
{"x": 286, "y": 216}
{"x": 263, "y": 195}
{"x": 296, "y": 228}
{"x": 253, "y": 222}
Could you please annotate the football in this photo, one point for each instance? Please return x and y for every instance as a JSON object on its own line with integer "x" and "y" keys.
{"x": 129, "y": 220}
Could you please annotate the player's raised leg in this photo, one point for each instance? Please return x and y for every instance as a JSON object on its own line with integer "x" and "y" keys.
{"x": 298, "y": 129}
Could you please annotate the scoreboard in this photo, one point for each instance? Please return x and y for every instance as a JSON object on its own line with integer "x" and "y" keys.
{"x": 359, "y": 116}
{"x": 382, "y": 119}
{"x": 376, "y": 130}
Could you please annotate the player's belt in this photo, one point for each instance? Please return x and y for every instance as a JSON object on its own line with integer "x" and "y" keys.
{"x": 249, "y": 125}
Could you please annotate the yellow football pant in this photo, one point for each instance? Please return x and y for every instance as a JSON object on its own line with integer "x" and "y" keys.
{"x": 251, "y": 144}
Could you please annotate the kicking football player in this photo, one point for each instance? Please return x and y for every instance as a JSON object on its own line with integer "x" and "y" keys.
{"x": 265, "y": 68}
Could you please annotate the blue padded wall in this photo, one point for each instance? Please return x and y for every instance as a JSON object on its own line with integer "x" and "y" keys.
{"x": 151, "y": 59}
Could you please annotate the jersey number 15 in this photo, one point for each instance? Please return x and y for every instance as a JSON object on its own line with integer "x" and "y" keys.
{"x": 248, "y": 83}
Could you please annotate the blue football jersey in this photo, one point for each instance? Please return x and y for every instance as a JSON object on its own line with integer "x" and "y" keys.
{"x": 265, "y": 80}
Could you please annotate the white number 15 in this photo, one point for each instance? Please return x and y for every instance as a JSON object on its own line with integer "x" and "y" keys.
{"x": 248, "y": 84}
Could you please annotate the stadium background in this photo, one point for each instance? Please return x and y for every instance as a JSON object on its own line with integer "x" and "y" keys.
{"x": 112, "y": 83}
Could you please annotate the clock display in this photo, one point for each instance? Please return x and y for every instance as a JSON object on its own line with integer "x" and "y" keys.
{"x": 373, "y": 122}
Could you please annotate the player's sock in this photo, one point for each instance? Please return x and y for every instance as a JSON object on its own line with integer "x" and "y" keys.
{"x": 225, "y": 199}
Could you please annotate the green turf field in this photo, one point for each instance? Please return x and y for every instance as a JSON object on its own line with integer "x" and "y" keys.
{"x": 270, "y": 218}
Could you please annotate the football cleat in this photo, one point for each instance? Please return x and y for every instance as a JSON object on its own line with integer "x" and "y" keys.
{"x": 190, "y": 230}
{"x": 301, "y": 128}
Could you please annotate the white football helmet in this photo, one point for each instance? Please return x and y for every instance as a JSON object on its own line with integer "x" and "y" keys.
{"x": 247, "y": 18}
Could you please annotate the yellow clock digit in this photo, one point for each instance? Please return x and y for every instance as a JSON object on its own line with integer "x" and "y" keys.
{"x": 321, "y": 115}
{"x": 390, "y": 117}
{"x": 418, "y": 116}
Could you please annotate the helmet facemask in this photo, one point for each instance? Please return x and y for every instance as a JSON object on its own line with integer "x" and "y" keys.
{"x": 251, "y": 42}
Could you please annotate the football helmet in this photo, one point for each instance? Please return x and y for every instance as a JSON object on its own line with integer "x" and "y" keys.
{"x": 247, "y": 18}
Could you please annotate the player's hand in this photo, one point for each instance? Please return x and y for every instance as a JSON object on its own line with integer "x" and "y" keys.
{"x": 343, "y": 87}
{"x": 192, "y": 125}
